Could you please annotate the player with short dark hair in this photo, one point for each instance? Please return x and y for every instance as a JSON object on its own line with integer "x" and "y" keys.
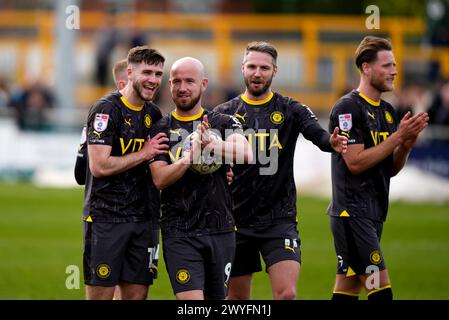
{"x": 197, "y": 224}
{"x": 120, "y": 200}
{"x": 378, "y": 147}
{"x": 264, "y": 192}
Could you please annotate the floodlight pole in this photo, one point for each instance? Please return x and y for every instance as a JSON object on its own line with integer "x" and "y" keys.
{"x": 66, "y": 33}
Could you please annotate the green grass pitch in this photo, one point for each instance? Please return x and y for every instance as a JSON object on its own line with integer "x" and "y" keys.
{"x": 41, "y": 234}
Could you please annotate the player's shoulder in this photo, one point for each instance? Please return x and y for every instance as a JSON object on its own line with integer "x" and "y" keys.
{"x": 228, "y": 107}
{"x": 287, "y": 102}
{"x": 163, "y": 123}
{"x": 109, "y": 103}
{"x": 213, "y": 115}
{"x": 218, "y": 119}
{"x": 388, "y": 106}
{"x": 292, "y": 107}
{"x": 348, "y": 102}
{"x": 153, "y": 108}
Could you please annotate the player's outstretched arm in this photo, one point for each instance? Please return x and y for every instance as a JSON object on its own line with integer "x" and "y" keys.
{"x": 338, "y": 142}
{"x": 102, "y": 164}
{"x": 234, "y": 149}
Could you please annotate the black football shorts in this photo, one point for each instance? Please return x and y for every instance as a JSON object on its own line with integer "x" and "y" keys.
{"x": 273, "y": 248}
{"x": 200, "y": 263}
{"x": 119, "y": 252}
{"x": 357, "y": 245}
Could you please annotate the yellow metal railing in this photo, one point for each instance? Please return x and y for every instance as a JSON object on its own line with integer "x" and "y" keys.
{"x": 222, "y": 27}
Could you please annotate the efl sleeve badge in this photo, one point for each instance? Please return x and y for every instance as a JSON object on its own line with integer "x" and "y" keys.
{"x": 345, "y": 121}
{"x": 101, "y": 122}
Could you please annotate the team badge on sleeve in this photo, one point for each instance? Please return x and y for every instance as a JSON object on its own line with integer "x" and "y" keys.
{"x": 345, "y": 121}
{"x": 101, "y": 122}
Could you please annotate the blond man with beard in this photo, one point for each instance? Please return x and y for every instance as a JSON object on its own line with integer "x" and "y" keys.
{"x": 378, "y": 147}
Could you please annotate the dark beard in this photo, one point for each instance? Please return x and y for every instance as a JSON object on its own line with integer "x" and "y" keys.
{"x": 259, "y": 92}
{"x": 189, "y": 106}
{"x": 138, "y": 92}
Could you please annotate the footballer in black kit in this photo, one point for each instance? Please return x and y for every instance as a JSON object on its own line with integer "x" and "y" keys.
{"x": 378, "y": 147}
{"x": 193, "y": 208}
{"x": 265, "y": 202}
{"x": 114, "y": 205}
{"x": 364, "y": 197}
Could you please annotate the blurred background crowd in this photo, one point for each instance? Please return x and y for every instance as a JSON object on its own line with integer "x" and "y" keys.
{"x": 50, "y": 73}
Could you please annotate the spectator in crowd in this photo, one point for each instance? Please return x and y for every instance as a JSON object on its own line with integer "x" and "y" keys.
{"x": 439, "y": 109}
{"x": 32, "y": 107}
{"x": 4, "y": 94}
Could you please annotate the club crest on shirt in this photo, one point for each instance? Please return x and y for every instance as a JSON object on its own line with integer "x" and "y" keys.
{"x": 148, "y": 121}
{"x": 101, "y": 122}
{"x": 345, "y": 121}
{"x": 277, "y": 117}
{"x": 388, "y": 117}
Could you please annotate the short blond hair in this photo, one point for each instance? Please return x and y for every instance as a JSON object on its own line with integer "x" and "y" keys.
{"x": 119, "y": 69}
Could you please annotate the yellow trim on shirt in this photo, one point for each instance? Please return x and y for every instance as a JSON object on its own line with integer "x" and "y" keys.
{"x": 190, "y": 118}
{"x": 371, "y": 102}
{"x": 131, "y": 106}
{"x": 257, "y": 102}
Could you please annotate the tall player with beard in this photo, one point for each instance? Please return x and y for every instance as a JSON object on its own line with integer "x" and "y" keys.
{"x": 197, "y": 225}
{"x": 378, "y": 148}
{"x": 264, "y": 194}
{"x": 120, "y": 201}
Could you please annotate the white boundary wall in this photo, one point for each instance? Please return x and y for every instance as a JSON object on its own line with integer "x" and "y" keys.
{"x": 52, "y": 157}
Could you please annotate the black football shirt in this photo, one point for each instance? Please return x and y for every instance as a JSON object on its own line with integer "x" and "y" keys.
{"x": 196, "y": 204}
{"x": 129, "y": 196}
{"x": 369, "y": 123}
{"x": 264, "y": 192}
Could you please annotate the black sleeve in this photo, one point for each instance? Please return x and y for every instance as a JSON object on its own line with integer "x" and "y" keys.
{"x": 224, "y": 124}
{"x": 308, "y": 125}
{"x": 346, "y": 115}
{"x": 102, "y": 122}
{"x": 81, "y": 166}
{"x": 319, "y": 136}
{"x": 161, "y": 126}
{"x": 81, "y": 160}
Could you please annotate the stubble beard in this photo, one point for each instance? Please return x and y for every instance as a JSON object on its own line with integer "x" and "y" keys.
{"x": 189, "y": 106}
{"x": 259, "y": 92}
